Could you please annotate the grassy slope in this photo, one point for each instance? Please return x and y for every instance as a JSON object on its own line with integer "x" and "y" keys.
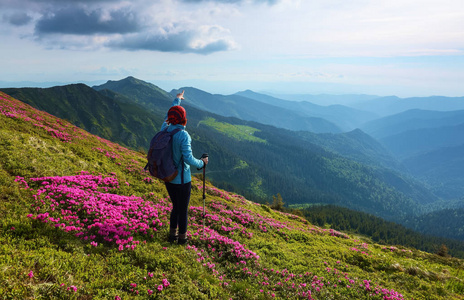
{"x": 246, "y": 250}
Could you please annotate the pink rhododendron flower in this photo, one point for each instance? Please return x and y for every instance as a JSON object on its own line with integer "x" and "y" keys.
{"x": 72, "y": 288}
{"x": 166, "y": 282}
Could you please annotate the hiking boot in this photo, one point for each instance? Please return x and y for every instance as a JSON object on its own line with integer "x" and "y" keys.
{"x": 182, "y": 241}
{"x": 172, "y": 238}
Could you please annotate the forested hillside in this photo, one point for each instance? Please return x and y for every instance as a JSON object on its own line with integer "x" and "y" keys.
{"x": 145, "y": 94}
{"x": 442, "y": 169}
{"x": 80, "y": 219}
{"x": 425, "y": 235}
{"x": 119, "y": 121}
{"x": 355, "y": 145}
{"x": 429, "y": 144}
{"x": 445, "y": 222}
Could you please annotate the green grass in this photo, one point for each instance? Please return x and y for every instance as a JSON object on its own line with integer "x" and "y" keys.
{"x": 41, "y": 261}
{"x": 238, "y": 132}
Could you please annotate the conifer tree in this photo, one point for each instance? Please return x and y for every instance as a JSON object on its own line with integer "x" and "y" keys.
{"x": 277, "y": 202}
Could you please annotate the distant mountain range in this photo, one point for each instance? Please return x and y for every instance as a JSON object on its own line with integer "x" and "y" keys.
{"x": 419, "y": 141}
{"x": 430, "y": 144}
{"x": 385, "y": 106}
{"x": 252, "y": 110}
{"x": 326, "y": 99}
{"x": 413, "y": 119}
{"x": 318, "y": 166}
{"x": 344, "y": 117}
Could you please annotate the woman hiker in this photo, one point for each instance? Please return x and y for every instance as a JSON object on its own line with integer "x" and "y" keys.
{"x": 179, "y": 188}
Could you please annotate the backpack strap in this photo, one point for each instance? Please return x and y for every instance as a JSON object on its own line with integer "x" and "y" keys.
{"x": 175, "y": 131}
{"x": 181, "y": 156}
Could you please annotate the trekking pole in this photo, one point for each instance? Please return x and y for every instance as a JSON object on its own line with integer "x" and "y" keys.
{"x": 204, "y": 191}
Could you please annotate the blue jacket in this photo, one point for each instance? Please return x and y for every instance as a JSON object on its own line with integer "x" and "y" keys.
{"x": 181, "y": 148}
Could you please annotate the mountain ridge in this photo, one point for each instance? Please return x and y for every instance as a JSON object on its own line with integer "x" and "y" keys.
{"x": 92, "y": 111}
{"x": 393, "y": 105}
{"x": 411, "y": 120}
{"x": 424, "y": 140}
{"x": 345, "y": 117}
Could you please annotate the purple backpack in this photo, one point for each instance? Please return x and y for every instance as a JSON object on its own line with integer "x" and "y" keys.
{"x": 160, "y": 163}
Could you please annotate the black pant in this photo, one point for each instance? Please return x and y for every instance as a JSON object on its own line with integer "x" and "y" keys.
{"x": 180, "y": 198}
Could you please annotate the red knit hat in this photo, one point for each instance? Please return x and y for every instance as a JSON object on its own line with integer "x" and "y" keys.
{"x": 177, "y": 115}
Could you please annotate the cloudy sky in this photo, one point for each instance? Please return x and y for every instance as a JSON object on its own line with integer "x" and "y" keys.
{"x": 395, "y": 47}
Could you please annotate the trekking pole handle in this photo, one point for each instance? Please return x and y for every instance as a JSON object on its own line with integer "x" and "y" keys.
{"x": 204, "y": 155}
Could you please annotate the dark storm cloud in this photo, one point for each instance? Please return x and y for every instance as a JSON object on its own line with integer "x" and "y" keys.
{"x": 17, "y": 19}
{"x": 174, "y": 42}
{"x": 36, "y": 5}
{"x": 76, "y": 20}
{"x": 121, "y": 25}
{"x": 71, "y": 1}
